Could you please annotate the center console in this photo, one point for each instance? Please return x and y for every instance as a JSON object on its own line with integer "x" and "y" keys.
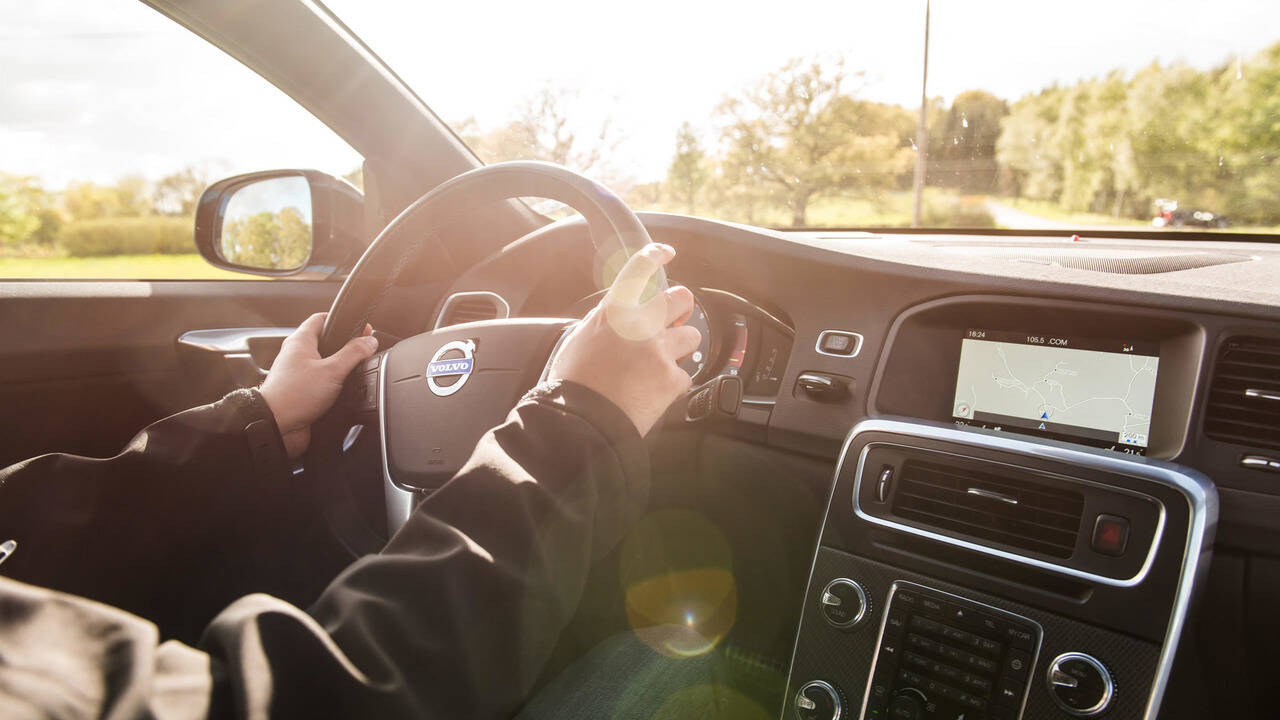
{"x": 968, "y": 573}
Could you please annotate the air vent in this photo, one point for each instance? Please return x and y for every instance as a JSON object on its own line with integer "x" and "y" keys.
{"x": 472, "y": 307}
{"x": 998, "y": 508}
{"x": 1244, "y": 397}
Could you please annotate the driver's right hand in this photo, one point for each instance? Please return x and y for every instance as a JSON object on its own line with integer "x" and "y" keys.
{"x": 628, "y": 349}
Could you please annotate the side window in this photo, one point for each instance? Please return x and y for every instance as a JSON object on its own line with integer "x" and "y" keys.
{"x": 113, "y": 120}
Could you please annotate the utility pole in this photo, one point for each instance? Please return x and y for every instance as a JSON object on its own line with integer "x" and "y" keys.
{"x": 922, "y": 126}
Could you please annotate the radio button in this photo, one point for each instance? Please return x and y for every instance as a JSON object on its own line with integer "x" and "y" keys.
{"x": 987, "y": 645}
{"x": 1017, "y": 663}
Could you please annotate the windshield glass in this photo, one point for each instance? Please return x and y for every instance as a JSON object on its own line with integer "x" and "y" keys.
{"x": 1089, "y": 115}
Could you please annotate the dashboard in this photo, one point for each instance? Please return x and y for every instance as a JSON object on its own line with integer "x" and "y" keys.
{"x": 1034, "y": 446}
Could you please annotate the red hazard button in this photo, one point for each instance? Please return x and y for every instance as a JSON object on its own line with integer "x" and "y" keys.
{"x": 1110, "y": 535}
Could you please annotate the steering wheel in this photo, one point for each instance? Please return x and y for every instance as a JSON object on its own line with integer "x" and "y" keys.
{"x": 438, "y": 392}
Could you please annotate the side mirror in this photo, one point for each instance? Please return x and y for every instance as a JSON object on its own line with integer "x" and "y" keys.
{"x": 301, "y": 223}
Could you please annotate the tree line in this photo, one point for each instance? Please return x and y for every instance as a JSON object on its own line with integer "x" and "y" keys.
{"x": 803, "y": 134}
{"x": 98, "y": 219}
{"x": 1115, "y": 144}
{"x": 1111, "y": 145}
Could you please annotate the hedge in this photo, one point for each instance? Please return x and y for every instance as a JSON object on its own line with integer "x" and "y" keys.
{"x": 128, "y": 236}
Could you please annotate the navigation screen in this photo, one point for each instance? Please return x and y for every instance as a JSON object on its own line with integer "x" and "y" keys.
{"x": 1097, "y": 392}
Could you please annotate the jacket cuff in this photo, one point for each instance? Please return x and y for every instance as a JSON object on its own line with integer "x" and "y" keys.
{"x": 261, "y": 434}
{"x": 602, "y": 414}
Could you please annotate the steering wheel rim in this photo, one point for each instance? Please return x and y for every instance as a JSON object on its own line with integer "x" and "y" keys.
{"x": 613, "y": 225}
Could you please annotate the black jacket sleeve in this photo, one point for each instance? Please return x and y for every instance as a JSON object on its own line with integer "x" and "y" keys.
{"x": 180, "y": 488}
{"x": 454, "y": 619}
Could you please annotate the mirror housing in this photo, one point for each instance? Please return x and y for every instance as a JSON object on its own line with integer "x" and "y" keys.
{"x": 336, "y": 221}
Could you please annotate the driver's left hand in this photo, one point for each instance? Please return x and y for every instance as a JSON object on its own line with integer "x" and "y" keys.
{"x": 302, "y": 386}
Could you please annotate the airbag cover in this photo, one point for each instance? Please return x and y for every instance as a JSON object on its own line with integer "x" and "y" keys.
{"x": 445, "y": 389}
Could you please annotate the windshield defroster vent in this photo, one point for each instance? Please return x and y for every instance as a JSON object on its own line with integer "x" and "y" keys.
{"x": 1244, "y": 397}
{"x": 465, "y": 307}
{"x": 998, "y": 508}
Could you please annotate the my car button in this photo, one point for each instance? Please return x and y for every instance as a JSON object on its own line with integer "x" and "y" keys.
{"x": 1110, "y": 535}
{"x": 839, "y": 343}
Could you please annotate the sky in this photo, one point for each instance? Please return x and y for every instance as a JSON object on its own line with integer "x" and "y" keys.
{"x": 99, "y": 89}
{"x": 271, "y": 196}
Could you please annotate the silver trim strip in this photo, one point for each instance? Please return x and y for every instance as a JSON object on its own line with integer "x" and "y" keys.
{"x": 734, "y": 297}
{"x": 989, "y": 495}
{"x": 564, "y": 335}
{"x": 1109, "y": 687}
{"x": 231, "y": 340}
{"x": 884, "y": 620}
{"x": 1262, "y": 394}
{"x": 857, "y": 346}
{"x": 503, "y": 307}
{"x": 399, "y": 501}
{"x": 1201, "y": 496}
{"x": 1004, "y": 554}
{"x": 758, "y": 402}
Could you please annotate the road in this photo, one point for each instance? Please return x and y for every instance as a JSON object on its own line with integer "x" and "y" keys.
{"x": 1011, "y": 217}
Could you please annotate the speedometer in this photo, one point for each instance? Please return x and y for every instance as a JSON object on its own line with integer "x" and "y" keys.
{"x": 697, "y": 362}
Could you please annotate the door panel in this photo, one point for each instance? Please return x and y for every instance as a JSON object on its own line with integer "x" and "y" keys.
{"x": 85, "y": 365}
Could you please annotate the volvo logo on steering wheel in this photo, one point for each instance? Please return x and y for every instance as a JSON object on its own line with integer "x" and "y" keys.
{"x": 450, "y": 367}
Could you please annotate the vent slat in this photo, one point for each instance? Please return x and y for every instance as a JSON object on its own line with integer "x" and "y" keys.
{"x": 1045, "y": 519}
{"x": 1243, "y": 363}
{"x": 948, "y": 523}
{"x": 1226, "y": 373}
{"x": 1065, "y": 506}
{"x": 983, "y": 515}
{"x": 1241, "y": 412}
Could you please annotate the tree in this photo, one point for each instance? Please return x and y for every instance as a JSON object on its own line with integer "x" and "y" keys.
{"x": 1028, "y": 163}
{"x": 962, "y": 145}
{"x": 280, "y": 241}
{"x": 129, "y": 197}
{"x": 1247, "y": 136}
{"x": 543, "y": 129}
{"x": 17, "y": 219}
{"x": 27, "y": 213}
{"x": 178, "y": 193}
{"x": 798, "y": 135}
{"x": 294, "y": 239}
{"x": 688, "y": 174}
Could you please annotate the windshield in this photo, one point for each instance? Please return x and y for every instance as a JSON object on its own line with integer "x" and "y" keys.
{"x": 1125, "y": 115}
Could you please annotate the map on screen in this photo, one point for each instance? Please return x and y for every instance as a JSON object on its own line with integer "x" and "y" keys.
{"x": 1023, "y": 382}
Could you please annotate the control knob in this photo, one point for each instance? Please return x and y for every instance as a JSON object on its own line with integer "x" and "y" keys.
{"x": 845, "y": 603}
{"x": 819, "y": 700}
{"x": 1080, "y": 684}
{"x": 907, "y": 705}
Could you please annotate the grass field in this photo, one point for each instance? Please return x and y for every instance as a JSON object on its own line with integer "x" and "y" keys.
{"x": 131, "y": 267}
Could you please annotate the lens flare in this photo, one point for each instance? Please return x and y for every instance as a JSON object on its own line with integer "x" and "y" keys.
{"x": 676, "y": 569}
